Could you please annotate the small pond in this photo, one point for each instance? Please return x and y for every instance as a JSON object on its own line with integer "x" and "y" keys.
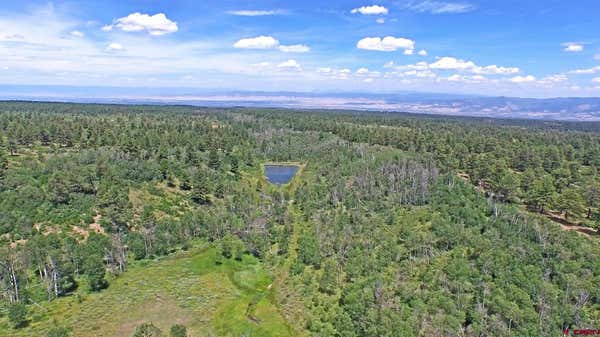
{"x": 280, "y": 174}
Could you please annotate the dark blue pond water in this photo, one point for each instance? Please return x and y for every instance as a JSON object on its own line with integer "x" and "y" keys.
{"x": 280, "y": 174}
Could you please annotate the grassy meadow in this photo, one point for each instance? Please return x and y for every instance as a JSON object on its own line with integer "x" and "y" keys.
{"x": 231, "y": 299}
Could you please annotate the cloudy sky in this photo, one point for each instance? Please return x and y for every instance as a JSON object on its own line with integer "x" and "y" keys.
{"x": 526, "y": 48}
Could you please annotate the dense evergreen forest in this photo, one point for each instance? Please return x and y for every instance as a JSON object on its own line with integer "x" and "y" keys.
{"x": 394, "y": 225}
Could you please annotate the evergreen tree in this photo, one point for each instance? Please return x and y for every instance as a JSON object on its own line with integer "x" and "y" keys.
{"x": 570, "y": 202}
{"x": 201, "y": 189}
{"x": 12, "y": 146}
{"x": 308, "y": 250}
{"x": 328, "y": 282}
{"x": 235, "y": 165}
{"x": 214, "y": 161}
{"x": 592, "y": 196}
{"x": 3, "y": 162}
{"x": 543, "y": 192}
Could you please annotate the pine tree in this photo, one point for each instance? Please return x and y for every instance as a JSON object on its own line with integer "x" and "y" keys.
{"x": 201, "y": 189}
{"x": 12, "y": 147}
{"x": 328, "y": 281}
{"x": 570, "y": 202}
{"x": 213, "y": 159}
{"x": 543, "y": 192}
{"x": 592, "y": 197}
{"x": 3, "y": 161}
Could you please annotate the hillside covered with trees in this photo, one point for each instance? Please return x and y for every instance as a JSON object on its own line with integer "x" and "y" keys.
{"x": 119, "y": 220}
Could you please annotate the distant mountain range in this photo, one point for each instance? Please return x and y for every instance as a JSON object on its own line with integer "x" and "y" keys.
{"x": 571, "y": 109}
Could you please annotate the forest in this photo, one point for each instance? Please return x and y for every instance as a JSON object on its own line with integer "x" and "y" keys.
{"x": 147, "y": 220}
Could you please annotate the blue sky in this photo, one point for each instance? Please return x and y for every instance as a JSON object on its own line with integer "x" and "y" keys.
{"x": 518, "y": 48}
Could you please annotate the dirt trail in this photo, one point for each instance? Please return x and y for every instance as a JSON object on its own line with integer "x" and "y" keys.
{"x": 586, "y": 231}
{"x": 569, "y": 226}
{"x": 565, "y": 225}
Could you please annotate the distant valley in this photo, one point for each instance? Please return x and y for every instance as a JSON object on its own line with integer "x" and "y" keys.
{"x": 564, "y": 109}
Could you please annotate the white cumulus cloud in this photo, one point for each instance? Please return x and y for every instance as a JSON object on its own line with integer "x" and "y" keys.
{"x": 371, "y": 10}
{"x": 523, "y": 79}
{"x": 259, "y": 42}
{"x": 451, "y": 63}
{"x": 114, "y": 46}
{"x": 422, "y": 52}
{"x": 596, "y": 80}
{"x": 77, "y": 33}
{"x": 388, "y": 43}
{"x": 592, "y": 70}
{"x": 157, "y": 24}
{"x": 572, "y": 47}
{"x": 295, "y": 48}
{"x": 289, "y": 64}
{"x": 455, "y": 78}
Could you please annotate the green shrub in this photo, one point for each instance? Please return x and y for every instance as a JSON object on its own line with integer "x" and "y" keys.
{"x": 58, "y": 332}
{"x": 17, "y": 315}
{"x": 178, "y": 330}
{"x": 147, "y": 330}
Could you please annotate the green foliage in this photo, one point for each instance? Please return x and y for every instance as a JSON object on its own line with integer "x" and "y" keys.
{"x": 178, "y": 330}
{"x": 570, "y": 202}
{"x": 94, "y": 271}
{"x": 147, "y": 330}
{"x": 235, "y": 165}
{"x": 219, "y": 255}
{"x": 231, "y": 246}
{"x": 58, "y": 332}
{"x": 92, "y": 255}
{"x": 297, "y": 268}
{"x": 214, "y": 161}
{"x": 3, "y": 161}
{"x": 227, "y": 246}
{"x": 137, "y": 246}
{"x": 378, "y": 236}
{"x": 201, "y": 188}
{"x": 12, "y": 147}
{"x": 328, "y": 282}
{"x": 543, "y": 193}
{"x": 308, "y": 249}
{"x": 17, "y": 315}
